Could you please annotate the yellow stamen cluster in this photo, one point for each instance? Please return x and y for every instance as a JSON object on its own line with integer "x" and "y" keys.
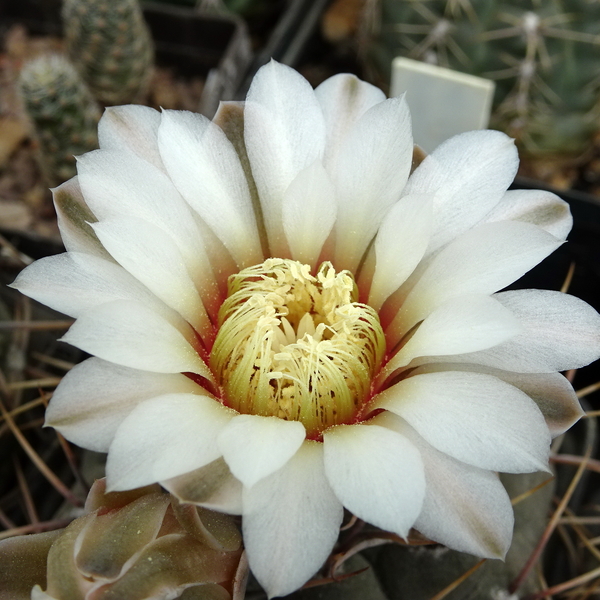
{"x": 296, "y": 346}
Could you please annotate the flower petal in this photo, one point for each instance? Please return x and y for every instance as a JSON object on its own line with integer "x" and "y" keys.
{"x": 284, "y": 132}
{"x": 206, "y": 169}
{"x": 164, "y": 437}
{"x": 170, "y": 565}
{"x": 153, "y": 258}
{"x": 376, "y": 473}
{"x": 130, "y": 334}
{"x": 552, "y": 392}
{"x": 23, "y": 564}
{"x": 212, "y": 486}
{"x": 308, "y": 212}
{"x": 255, "y": 446}
{"x": 467, "y": 176}
{"x": 400, "y": 244}
{"x": 132, "y": 128}
{"x": 471, "y": 321}
{"x": 117, "y": 184}
{"x": 95, "y": 396}
{"x": 74, "y": 217}
{"x": 230, "y": 118}
{"x": 481, "y": 261}
{"x": 475, "y": 418}
{"x": 64, "y": 580}
{"x": 73, "y": 282}
{"x": 117, "y": 536}
{"x": 37, "y": 594}
{"x": 544, "y": 209}
{"x": 344, "y": 99}
{"x": 560, "y": 332}
{"x": 369, "y": 175}
{"x": 465, "y": 508}
{"x": 291, "y": 522}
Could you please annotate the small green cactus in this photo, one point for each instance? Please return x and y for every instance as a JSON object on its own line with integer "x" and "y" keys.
{"x": 110, "y": 44}
{"x": 543, "y": 56}
{"x": 63, "y": 113}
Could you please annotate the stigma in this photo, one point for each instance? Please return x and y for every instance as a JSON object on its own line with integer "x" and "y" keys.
{"x": 296, "y": 346}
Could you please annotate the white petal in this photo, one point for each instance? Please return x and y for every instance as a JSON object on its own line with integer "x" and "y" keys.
{"x": 308, "y": 213}
{"x": 284, "y": 132}
{"x": 400, "y": 244}
{"x": 153, "y": 258}
{"x": 206, "y": 169}
{"x": 212, "y": 486}
{"x": 74, "y": 282}
{"x": 377, "y": 474}
{"x": 559, "y": 327}
{"x": 465, "y": 508}
{"x": 74, "y": 217}
{"x": 120, "y": 184}
{"x": 164, "y": 437}
{"x": 38, "y": 594}
{"x": 130, "y": 334}
{"x": 560, "y": 332}
{"x": 472, "y": 322}
{"x": 466, "y": 176}
{"x": 552, "y": 392}
{"x": 95, "y": 396}
{"x": 255, "y": 446}
{"x": 291, "y": 522}
{"x": 132, "y": 128}
{"x": 474, "y": 418}
{"x": 544, "y": 209}
{"x": 369, "y": 175}
{"x": 344, "y": 99}
{"x": 481, "y": 261}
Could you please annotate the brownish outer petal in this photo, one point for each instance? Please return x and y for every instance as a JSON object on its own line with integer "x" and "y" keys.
{"x": 98, "y": 498}
{"x": 23, "y": 564}
{"x": 212, "y": 484}
{"x": 113, "y": 538}
{"x": 211, "y": 528}
{"x": 64, "y": 581}
{"x": 169, "y": 563}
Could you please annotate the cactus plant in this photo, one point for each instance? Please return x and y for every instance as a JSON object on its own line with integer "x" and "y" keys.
{"x": 63, "y": 113}
{"x": 110, "y": 44}
{"x": 543, "y": 56}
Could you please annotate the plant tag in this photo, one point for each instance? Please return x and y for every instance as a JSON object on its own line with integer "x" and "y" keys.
{"x": 442, "y": 102}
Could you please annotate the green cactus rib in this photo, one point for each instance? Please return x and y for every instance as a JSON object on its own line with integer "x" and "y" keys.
{"x": 543, "y": 55}
{"x": 63, "y": 114}
{"x": 110, "y": 45}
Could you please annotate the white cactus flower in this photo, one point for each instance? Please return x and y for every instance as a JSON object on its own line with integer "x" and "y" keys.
{"x": 285, "y": 321}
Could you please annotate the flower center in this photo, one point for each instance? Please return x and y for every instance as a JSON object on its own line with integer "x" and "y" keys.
{"x": 296, "y": 346}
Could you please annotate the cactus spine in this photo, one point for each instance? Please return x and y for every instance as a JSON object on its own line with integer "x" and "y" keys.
{"x": 63, "y": 113}
{"x": 543, "y": 56}
{"x": 110, "y": 44}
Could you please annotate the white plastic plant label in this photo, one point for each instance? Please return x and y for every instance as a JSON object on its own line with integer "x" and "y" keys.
{"x": 443, "y": 102}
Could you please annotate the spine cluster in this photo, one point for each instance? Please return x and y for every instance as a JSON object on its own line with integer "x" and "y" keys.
{"x": 110, "y": 44}
{"x": 110, "y": 60}
{"x": 543, "y": 57}
{"x": 63, "y": 113}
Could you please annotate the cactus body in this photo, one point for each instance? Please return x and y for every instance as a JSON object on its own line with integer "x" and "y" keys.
{"x": 110, "y": 44}
{"x": 543, "y": 56}
{"x": 63, "y": 113}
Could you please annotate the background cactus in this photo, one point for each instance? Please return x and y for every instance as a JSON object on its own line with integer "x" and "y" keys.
{"x": 110, "y": 44}
{"x": 543, "y": 55}
{"x": 63, "y": 113}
